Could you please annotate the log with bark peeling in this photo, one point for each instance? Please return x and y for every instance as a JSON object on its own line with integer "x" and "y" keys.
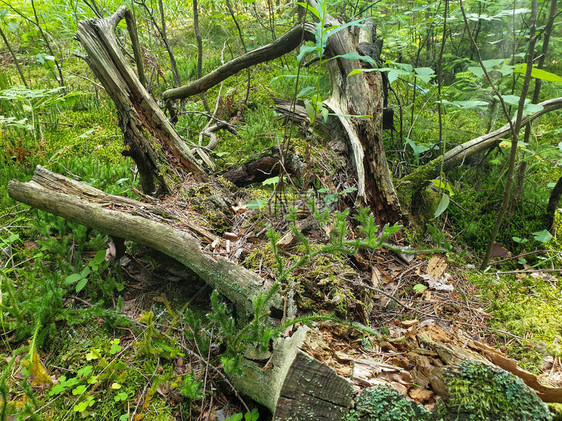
{"x": 150, "y": 139}
{"x": 121, "y": 217}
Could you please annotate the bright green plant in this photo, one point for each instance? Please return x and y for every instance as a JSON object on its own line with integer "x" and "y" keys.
{"x": 248, "y": 416}
{"x": 81, "y": 278}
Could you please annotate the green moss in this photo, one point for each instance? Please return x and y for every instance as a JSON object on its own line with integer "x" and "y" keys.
{"x": 528, "y": 307}
{"x": 383, "y": 403}
{"x": 478, "y": 391}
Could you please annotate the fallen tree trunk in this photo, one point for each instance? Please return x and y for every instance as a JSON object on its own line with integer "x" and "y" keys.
{"x": 145, "y": 224}
{"x": 281, "y": 46}
{"x": 419, "y": 178}
{"x": 291, "y": 380}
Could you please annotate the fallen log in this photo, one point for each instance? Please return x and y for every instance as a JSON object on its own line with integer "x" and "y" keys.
{"x": 292, "y": 380}
{"x": 121, "y": 217}
{"x": 420, "y": 177}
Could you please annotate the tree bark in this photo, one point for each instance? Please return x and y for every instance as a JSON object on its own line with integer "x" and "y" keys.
{"x": 553, "y": 202}
{"x": 276, "y": 49}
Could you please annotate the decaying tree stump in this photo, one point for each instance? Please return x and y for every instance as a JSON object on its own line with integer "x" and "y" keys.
{"x": 150, "y": 139}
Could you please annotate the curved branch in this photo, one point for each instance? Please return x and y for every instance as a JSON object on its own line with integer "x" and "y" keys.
{"x": 277, "y": 48}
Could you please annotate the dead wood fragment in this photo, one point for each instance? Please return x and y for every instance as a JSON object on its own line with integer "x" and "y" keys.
{"x": 269, "y": 164}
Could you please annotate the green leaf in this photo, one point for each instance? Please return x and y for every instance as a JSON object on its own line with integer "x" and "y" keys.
{"x": 476, "y": 71}
{"x": 443, "y": 186}
{"x": 269, "y": 181}
{"x": 78, "y": 390}
{"x": 490, "y": 64}
{"x": 257, "y": 204}
{"x": 443, "y": 204}
{"x": 466, "y": 104}
{"x": 355, "y": 56}
{"x": 85, "y": 272}
{"x": 538, "y": 74}
{"x": 511, "y": 99}
{"x": 519, "y": 240}
{"x": 533, "y": 108}
{"x": 419, "y": 288}
{"x": 542, "y": 236}
{"x": 310, "y": 9}
{"x": 305, "y": 49}
{"x": 81, "y": 284}
{"x": 85, "y": 371}
{"x": 311, "y": 111}
{"x": 71, "y": 279}
{"x": 424, "y": 73}
{"x": 98, "y": 258}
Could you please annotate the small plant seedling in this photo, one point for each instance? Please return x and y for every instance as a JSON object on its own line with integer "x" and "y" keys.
{"x": 81, "y": 278}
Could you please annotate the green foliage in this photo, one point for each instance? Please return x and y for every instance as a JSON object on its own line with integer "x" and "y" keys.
{"x": 479, "y": 391}
{"x": 248, "y": 416}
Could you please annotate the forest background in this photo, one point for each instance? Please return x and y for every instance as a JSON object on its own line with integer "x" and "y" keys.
{"x": 85, "y": 335}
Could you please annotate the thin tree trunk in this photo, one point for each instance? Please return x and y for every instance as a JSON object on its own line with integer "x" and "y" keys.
{"x": 515, "y": 135}
{"x": 199, "y": 52}
{"x": 538, "y": 84}
{"x": 13, "y": 54}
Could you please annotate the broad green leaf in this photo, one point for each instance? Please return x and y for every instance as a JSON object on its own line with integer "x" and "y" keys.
{"x": 506, "y": 69}
{"x": 542, "y": 236}
{"x": 305, "y": 91}
{"x": 443, "y": 205}
{"x": 490, "y": 64}
{"x": 305, "y": 49}
{"x": 81, "y": 284}
{"x": 269, "y": 181}
{"x": 99, "y": 258}
{"x": 86, "y": 271}
{"x": 533, "y": 108}
{"x": 466, "y": 104}
{"x": 338, "y": 28}
{"x": 476, "y": 71}
{"x": 538, "y": 74}
{"x": 71, "y": 279}
{"x": 511, "y": 99}
{"x": 311, "y": 111}
{"x": 424, "y": 73}
{"x": 355, "y": 56}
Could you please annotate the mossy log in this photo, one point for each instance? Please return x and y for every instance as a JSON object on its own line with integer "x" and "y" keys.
{"x": 418, "y": 179}
{"x": 292, "y": 384}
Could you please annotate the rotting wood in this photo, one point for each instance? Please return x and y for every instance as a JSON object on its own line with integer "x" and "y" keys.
{"x": 150, "y": 139}
{"x": 456, "y": 156}
{"x": 119, "y": 217}
{"x": 268, "y": 165}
